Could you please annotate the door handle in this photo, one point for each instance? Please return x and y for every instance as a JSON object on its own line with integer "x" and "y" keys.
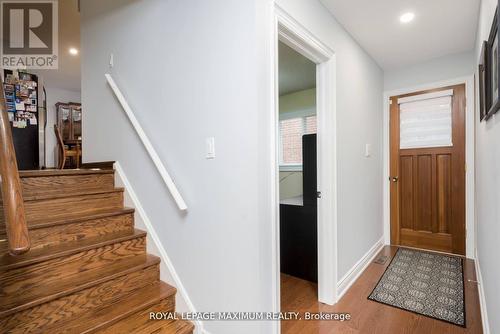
{"x": 395, "y": 179}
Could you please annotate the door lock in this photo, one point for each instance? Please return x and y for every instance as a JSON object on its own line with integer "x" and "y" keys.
{"x": 395, "y": 179}
{"x": 318, "y": 194}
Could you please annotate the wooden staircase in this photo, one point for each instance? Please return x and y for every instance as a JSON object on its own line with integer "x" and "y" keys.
{"x": 87, "y": 270}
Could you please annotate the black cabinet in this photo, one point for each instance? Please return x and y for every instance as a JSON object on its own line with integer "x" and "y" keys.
{"x": 299, "y": 223}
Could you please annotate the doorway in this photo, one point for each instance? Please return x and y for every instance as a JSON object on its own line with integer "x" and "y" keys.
{"x": 297, "y": 147}
{"x": 428, "y": 170}
{"x": 44, "y": 105}
{"x": 291, "y": 33}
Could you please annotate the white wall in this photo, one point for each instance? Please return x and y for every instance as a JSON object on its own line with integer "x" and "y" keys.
{"x": 304, "y": 100}
{"x": 55, "y": 95}
{"x": 435, "y": 70}
{"x": 488, "y": 188}
{"x": 190, "y": 69}
{"x": 200, "y": 68}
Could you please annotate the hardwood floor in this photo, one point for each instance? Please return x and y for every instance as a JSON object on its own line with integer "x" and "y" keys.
{"x": 368, "y": 316}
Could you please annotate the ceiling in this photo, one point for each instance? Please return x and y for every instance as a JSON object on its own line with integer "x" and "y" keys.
{"x": 440, "y": 27}
{"x": 68, "y": 75}
{"x": 296, "y": 72}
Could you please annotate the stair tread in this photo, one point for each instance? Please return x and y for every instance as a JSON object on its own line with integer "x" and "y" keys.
{"x": 78, "y": 217}
{"x": 8, "y": 261}
{"x": 137, "y": 324}
{"x": 55, "y": 195}
{"x": 59, "y": 172}
{"x": 67, "y": 285}
{"x": 177, "y": 327}
{"x": 74, "y": 218}
{"x": 121, "y": 309}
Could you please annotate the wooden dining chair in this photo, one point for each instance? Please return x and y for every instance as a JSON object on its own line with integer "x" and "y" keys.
{"x": 64, "y": 152}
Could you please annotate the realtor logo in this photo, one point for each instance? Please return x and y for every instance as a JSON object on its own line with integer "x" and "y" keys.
{"x": 29, "y": 31}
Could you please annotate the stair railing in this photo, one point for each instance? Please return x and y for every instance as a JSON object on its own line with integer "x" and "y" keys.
{"x": 12, "y": 196}
{"x": 181, "y": 204}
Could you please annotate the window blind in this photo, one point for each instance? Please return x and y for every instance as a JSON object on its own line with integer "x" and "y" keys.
{"x": 425, "y": 120}
{"x": 310, "y": 125}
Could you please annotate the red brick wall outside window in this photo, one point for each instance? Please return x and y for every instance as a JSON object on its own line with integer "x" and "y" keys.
{"x": 291, "y": 132}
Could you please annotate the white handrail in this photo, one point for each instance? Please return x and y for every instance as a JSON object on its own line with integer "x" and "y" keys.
{"x": 147, "y": 144}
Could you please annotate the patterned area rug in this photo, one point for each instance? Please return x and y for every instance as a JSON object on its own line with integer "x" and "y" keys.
{"x": 430, "y": 284}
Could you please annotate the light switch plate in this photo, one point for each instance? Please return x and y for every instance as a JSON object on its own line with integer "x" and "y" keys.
{"x": 368, "y": 150}
{"x": 210, "y": 143}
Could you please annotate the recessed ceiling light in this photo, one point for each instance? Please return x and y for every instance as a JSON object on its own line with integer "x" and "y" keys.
{"x": 407, "y": 17}
{"x": 73, "y": 51}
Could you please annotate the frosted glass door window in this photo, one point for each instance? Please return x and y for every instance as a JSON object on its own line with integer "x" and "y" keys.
{"x": 425, "y": 122}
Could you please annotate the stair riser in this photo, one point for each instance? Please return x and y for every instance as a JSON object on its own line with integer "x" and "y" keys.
{"x": 55, "y": 235}
{"x": 33, "y": 186}
{"x": 39, "y": 318}
{"x": 30, "y": 278}
{"x": 60, "y": 207}
{"x": 141, "y": 321}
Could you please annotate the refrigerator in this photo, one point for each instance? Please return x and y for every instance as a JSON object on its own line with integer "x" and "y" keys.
{"x": 26, "y": 107}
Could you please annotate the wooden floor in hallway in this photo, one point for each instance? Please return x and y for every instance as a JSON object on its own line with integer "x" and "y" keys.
{"x": 369, "y": 317}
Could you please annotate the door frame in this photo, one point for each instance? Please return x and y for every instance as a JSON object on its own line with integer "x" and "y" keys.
{"x": 289, "y": 31}
{"x": 469, "y": 156}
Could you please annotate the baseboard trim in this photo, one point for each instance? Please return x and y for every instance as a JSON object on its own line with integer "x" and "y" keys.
{"x": 153, "y": 236}
{"x": 482, "y": 296}
{"x": 352, "y": 275}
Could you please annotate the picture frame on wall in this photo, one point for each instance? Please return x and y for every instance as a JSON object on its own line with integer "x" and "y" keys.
{"x": 493, "y": 69}
{"x": 482, "y": 81}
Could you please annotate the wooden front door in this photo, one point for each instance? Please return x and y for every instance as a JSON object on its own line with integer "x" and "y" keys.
{"x": 428, "y": 177}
